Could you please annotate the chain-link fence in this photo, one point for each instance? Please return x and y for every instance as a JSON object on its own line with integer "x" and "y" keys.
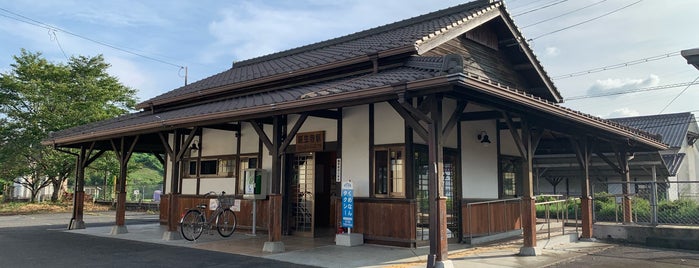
{"x": 137, "y": 193}
{"x": 674, "y": 203}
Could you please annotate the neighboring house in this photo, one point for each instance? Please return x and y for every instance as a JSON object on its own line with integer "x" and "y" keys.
{"x": 23, "y": 193}
{"x": 680, "y": 132}
{"x": 451, "y": 104}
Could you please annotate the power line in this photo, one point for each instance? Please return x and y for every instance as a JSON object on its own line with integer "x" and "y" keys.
{"x": 633, "y": 91}
{"x": 564, "y": 14}
{"x": 25, "y": 19}
{"x": 678, "y": 95}
{"x": 586, "y": 21}
{"x": 617, "y": 66}
{"x": 539, "y": 8}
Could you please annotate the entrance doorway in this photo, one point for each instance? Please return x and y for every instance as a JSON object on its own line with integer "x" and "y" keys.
{"x": 451, "y": 192}
{"x": 312, "y": 194}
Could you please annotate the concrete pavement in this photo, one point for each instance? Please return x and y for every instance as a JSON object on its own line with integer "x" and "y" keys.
{"x": 323, "y": 252}
{"x": 143, "y": 229}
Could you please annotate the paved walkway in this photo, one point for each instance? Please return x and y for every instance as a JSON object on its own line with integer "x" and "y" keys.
{"x": 324, "y": 253}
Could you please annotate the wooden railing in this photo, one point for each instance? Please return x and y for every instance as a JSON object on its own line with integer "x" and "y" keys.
{"x": 491, "y": 217}
{"x": 244, "y": 216}
{"x": 386, "y": 221}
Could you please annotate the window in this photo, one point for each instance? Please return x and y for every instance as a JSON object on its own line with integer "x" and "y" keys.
{"x": 389, "y": 174}
{"x": 245, "y": 163}
{"x": 511, "y": 174}
{"x": 211, "y": 167}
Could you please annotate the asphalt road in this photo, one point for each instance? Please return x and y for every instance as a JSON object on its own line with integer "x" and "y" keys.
{"x": 629, "y": 256}
{"x": 49, "y": 246}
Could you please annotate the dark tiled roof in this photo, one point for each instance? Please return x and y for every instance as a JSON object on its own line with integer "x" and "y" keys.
{"x": 396, "y": 35}
{"x": 359, "y": 82}
{"x": 672, "y": 127}
{"x": 672, "y": 162}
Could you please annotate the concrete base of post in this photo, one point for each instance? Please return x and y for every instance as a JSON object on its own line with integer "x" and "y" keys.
{"x": 529, "y": 251}
{"x": 444, "y": 264}
{"x": 119, "y": 229}
{"x": 592, "y": 239}
{"x": 349, "y": 240}
{"x": 78, "y": 224}
{"x": 273, "y": 247}
{"x": 170, "y": 235}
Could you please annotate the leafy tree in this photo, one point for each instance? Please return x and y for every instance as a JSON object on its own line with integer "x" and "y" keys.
{"x": 38, "y": 97}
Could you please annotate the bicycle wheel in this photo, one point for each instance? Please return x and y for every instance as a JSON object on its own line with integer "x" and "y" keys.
{"x": 192, "y": 225}
{"x": 226, "y": 222}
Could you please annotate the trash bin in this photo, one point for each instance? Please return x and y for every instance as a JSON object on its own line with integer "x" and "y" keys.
{"x": 156, "y": 195}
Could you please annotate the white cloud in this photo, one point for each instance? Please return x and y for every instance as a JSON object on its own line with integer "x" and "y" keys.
{"x": 552, "y": 51}
{"x": 615, "y": 85}
{"x": 129, "y": 74}
{"x": 623, "y": 112}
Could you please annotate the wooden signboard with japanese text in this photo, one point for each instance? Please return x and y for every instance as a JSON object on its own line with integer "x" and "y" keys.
{"x": 310, "y": 141}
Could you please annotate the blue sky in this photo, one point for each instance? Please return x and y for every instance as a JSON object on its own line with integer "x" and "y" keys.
{"x": 208, "y": 36}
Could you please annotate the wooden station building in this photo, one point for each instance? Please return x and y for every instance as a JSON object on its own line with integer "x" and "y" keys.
{"x": 423, "y": 115}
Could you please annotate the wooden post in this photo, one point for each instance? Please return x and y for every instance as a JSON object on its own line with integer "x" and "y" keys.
{"x": 123, "y": 154}
{"x": 173, "y": 207}
{"x": 79, "y": 196}
{"x": 583, "y": 152}
{"x": 528, "y": 199}
{"x": 438, "y": 218}
{"x": 626, "y": 187}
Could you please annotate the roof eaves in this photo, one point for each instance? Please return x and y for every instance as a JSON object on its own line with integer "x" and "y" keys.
{"x": 504, "y": 92}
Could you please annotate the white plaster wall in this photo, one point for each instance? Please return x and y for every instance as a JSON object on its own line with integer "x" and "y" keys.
{"x": 249, "y": 140}
{"x": 355, "y": 148}
{"x": 315, "y": 124}
{"x": 479, "y": 163}
{"x": 189, "y": 186}
{"x": 218, "y": 142}
{"x": 507, "y": 143}
{"x": 389, "y": 127}
{"x": 217, "y": 185}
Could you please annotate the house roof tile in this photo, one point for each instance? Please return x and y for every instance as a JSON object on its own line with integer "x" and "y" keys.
{"x": 672, "y": 127}
{"x": 391, "y": 36}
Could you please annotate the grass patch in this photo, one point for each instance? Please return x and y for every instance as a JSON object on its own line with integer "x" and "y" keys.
{"x": 21, "y": 208}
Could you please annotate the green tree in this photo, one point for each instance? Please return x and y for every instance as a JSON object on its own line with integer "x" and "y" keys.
{"x": 38, "y": 97}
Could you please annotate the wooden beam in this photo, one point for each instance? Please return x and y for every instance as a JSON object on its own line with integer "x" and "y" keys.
{"x": 412, "y": 122}
{"x": 327, "y": 114}
{"x": 263, "y": 136}
{"x": 455, "y": 117}
{"x": 515, "y": 135}
{"x": 477, "y": 116}
{"x": 226, "y": 127}
{"x": 292, "y": 133}
{"x": 187, "y": 142}
{"x": 415, "y": 112}
{"x": 166, "y": 144}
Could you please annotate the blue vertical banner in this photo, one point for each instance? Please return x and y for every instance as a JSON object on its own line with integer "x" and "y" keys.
{"x": 347, "y": 205}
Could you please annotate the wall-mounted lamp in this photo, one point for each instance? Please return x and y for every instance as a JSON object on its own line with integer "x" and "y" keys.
{"x": 195, "y": 146}
{"x": 483, "y": 138}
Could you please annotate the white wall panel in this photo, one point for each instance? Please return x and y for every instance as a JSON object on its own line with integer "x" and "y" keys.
{"x": 479, "y": 163}
{"x": 218, "y": 142}
{"x": 355, "y": 148}
{"x": 389, "y": 127}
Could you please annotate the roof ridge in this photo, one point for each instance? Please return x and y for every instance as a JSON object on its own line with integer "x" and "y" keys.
{"x": 364, "y": 33}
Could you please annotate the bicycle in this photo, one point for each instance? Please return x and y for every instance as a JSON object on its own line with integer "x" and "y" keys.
{"x": 194, "y": 221}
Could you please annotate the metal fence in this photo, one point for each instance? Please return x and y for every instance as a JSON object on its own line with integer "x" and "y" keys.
{"x": 671, "y": 203}
{"x": 557, "y": 211}
{"x": 138, "y": 193}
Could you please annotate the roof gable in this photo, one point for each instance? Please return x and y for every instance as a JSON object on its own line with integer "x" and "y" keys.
{"x": 672, "y": 127}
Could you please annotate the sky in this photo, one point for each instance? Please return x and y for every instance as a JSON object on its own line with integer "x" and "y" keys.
{"x": 147, "y": 42}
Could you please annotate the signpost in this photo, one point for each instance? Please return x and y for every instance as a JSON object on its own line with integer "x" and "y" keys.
{"x": 348, "y": 205}
{"x": 348, "y": 239}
